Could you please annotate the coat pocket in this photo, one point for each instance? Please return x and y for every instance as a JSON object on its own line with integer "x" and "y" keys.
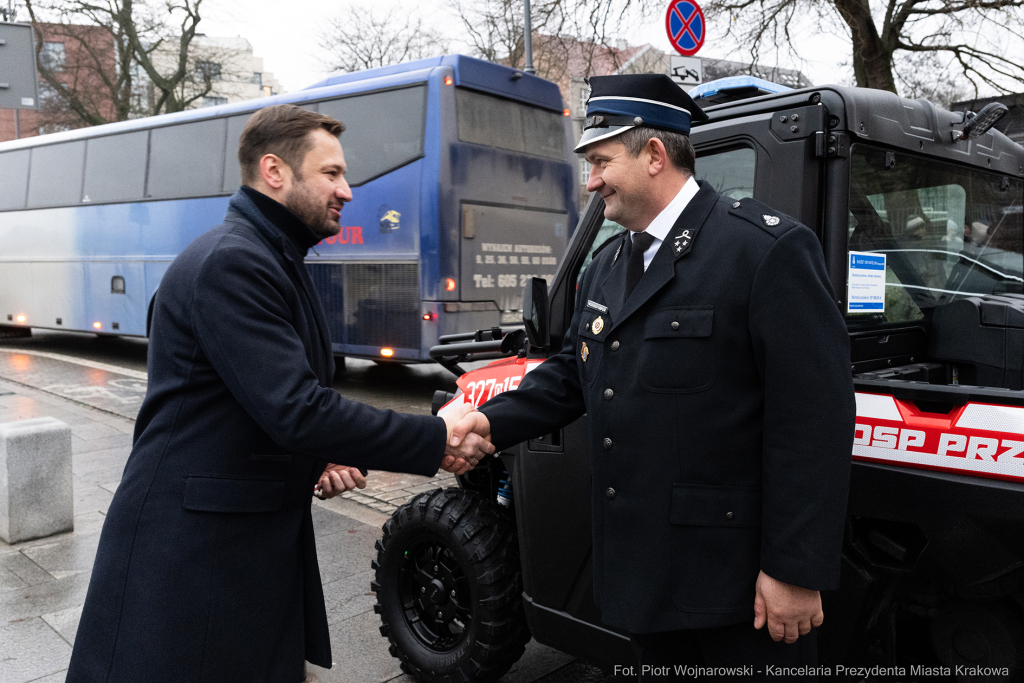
{"x": 218, "y": 493}
{"x": 716, "y": 553}
{"x": 679, "y": 350}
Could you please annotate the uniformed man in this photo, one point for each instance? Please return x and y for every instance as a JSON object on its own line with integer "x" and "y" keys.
{"x": 710, "y": 355}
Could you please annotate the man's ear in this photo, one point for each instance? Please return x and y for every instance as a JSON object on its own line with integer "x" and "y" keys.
{"x": 657, "y": 156}
{"x": 274, "y": 171}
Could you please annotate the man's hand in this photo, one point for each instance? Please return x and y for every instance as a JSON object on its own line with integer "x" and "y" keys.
{"x": 464, "y": 448}
{"x": 338, "y": 479}
{"x": 789, "y": 610}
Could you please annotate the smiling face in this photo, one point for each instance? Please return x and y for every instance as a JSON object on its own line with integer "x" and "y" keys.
{"x": 622, "y": 180}
{"x": 318, "y": 190}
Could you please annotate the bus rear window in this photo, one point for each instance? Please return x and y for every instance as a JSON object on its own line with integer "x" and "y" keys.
{"x": 14, "y": 179}
{"x": 518, "y": 127}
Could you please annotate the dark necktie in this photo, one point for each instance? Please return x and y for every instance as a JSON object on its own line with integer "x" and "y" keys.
{"x": 635, "y": 265}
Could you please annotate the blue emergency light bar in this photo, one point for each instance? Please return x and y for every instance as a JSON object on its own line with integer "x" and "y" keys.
{"x": 733, "y": 88}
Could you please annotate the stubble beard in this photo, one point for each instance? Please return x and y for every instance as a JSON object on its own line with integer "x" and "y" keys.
{"x": 305, "y": 204}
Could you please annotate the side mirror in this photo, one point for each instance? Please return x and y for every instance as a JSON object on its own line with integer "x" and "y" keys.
{"x": 535, "y": 312}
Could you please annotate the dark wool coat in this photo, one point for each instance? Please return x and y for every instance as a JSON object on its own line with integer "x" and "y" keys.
{"x": 721, "y": 409}
{"x": 206, "y": 569}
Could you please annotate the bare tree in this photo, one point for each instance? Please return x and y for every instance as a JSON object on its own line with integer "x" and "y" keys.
{"x": 909, "y": 42}
{"x": 569, "y": 35}
{"x": 360, "y": 38}
{"x": 108, "y": 66}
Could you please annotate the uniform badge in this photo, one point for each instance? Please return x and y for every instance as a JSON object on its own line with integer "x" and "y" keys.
{"x": 617, "y": 252}
{"x": 770, "y": 221}
{"x": 584, "y": 352}
{"x": 682, "y": 240}
{"x": 597, "y": 325}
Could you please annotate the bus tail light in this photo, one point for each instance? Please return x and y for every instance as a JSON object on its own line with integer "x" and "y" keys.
{"x": 98, "y": 325}
{"x": 21, "y": 318}
{"x": 430, "y": 316}
{"x": 449, "y": 284}
{"x": 566, "y": 112}
{"x": 448, "y": 80}
{"x": 387, "y": 353}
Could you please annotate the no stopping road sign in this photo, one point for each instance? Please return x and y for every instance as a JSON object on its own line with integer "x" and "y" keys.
{"x": 685, "y": 25}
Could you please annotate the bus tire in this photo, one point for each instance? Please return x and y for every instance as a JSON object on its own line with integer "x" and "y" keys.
{"x": 11, "y": 331}
{"x": 449, "y": 588}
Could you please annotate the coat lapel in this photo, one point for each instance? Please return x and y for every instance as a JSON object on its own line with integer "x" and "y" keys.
{"x": 615, "y": 283}
{"x": 678, "y": 243}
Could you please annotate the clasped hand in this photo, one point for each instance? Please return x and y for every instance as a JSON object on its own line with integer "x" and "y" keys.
{"x": 469, "y": 438}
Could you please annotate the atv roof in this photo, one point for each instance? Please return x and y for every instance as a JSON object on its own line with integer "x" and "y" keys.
{"x": 883, "y": 117}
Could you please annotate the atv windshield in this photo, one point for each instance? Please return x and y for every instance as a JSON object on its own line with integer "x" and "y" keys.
{"x": 945, "y": 231}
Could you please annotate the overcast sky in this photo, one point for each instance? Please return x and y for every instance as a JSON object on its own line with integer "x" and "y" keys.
{"x": 285, "y": 35}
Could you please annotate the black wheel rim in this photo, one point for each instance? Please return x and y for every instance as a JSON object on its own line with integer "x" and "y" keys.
{"x": 435, "y": 595}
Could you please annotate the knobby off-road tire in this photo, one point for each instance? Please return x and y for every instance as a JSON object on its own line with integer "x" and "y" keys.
{"x": 449, "y": 588}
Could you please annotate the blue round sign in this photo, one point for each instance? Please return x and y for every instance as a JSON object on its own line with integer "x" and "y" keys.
{"x": 686, "y": 26}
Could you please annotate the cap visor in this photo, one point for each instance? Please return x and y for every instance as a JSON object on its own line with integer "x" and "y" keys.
{"x": 595, "y": 134}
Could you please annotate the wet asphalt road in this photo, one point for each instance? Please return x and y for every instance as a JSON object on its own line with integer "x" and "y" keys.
{"x": 109, "y": 374}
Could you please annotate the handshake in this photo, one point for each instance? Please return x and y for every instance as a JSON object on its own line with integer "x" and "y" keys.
{"x": 469, "y": 438}
{"x": 468, "y": 441}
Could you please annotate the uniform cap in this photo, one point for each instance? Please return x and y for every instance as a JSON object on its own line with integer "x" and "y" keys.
{"x": 619, "y": 103}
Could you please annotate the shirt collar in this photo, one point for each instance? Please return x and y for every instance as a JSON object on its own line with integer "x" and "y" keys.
{"x": 660, "y": 226}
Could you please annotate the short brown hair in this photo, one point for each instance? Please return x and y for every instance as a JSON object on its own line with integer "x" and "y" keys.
{"x": 680, "y": 151}
{"x": 282, "y": 130}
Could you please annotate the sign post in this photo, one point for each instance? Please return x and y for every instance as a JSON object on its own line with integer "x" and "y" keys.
{"x": 19, "y": 82}
{"x": 686, "y": 28}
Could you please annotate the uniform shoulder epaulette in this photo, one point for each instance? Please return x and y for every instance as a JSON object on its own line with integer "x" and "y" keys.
{"x": 604, "y": 244}
{"x": 762, "y": 215}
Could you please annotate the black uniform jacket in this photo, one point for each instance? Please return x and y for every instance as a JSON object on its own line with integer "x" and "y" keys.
{"x": 721, "y": 410}
{"x": 207, "y": 569}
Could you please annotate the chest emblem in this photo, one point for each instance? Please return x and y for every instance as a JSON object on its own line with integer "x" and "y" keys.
{"x": 682, "y": 241}
{"x": 584, "y": 352}
{"x": 597, "y": 325}
{"x": 770, "y": 221}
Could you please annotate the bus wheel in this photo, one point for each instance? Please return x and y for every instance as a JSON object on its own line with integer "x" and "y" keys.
{"x": 449, "y": 588}
{"x": 7, "y": 331}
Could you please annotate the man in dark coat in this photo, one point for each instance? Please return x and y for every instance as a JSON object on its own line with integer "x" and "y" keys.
{"x": 206, "y": 569}
{"x": 710, "y": 355}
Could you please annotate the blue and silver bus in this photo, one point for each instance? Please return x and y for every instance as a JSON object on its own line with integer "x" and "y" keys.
{"x": 463, "y": 182}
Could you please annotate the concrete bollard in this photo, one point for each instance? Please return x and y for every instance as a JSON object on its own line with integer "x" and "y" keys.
{"x": 36, "y": 496}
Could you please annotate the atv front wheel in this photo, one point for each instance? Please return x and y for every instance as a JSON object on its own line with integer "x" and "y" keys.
{"x": 449, "y": 588}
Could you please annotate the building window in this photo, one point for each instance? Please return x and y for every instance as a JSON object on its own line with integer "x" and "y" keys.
{"x": 584, "y": 96}
{"x": 267, "y": 91}
{"x": 584, "y": 171}
{"x": 214, "y": 101}
{"x": 52, "y": 57}
{"x": 257, "y": 78}
{"x": 207, "y": 71}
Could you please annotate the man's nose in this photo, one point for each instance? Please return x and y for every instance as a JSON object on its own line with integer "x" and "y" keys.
{"x": 594, "y": 181}
{"x": 343, "y": 191}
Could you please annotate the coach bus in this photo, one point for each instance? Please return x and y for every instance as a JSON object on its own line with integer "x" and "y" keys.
{"x": 463, "y": 188}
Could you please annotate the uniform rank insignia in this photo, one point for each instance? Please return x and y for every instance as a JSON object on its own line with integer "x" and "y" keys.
{"x": 770, "y": 221}
{"x": 597, "y": 326}
{"x": 617, "y": 252}
{"x": 682, "y": 240}
{"x": 584, "y": 352}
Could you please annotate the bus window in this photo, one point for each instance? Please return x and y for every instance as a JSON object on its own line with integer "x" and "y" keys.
{"x": 14, "y": 179}
{"x": 115, "y": 168}
{"x": 186, "y": 160}
{"x": 232, "y": 172}
{"x": 55, "y": 175}
{"x": 383, "y": 130}
{"x": 496, "y": 122}
{"x": 731, "y": 172}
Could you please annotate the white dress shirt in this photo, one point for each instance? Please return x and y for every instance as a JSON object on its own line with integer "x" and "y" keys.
{"x": 663, "y": 222}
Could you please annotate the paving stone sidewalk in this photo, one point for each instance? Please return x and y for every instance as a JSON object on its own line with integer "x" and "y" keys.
{"x": 43, "y": 582}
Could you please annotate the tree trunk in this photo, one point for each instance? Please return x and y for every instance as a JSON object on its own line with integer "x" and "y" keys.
{"x": 872, "y": 57}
